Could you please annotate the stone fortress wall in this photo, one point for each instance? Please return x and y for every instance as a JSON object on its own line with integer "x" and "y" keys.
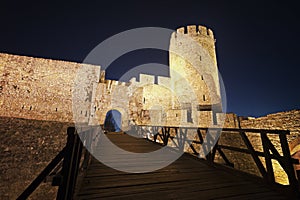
{"x": 42, "y": 89}
{"x": 288, "y": 120}
{"x": 45, "y": 89}
{"x": 36, "y": 88}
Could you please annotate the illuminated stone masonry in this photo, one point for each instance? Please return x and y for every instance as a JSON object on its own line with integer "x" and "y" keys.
{"x": 289, "y": 120}
{"x": 43, "y": 89}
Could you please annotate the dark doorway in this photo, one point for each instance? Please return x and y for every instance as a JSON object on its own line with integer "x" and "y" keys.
{"x": 113, "y": 121}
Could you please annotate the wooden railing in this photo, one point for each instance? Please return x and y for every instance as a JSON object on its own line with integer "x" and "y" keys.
{"x": 207, "y": 143}
{"x": 64, "y": 169}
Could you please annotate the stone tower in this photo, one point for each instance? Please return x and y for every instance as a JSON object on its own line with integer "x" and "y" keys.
{"x": 193, "y": 70}
{"x": 43, "y": 89}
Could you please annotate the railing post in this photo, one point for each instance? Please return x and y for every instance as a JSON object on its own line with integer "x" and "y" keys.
{"x": 289, "y": 164}
{"x": 270, "y": 172}
{"x": 156, "y": 134}
{"x": 180, "y": 138}
{"x": 253, "y": 154}
{"x": 64, "y": 189}
{"x": 67, "y": 160}
{"x": 200, "y": 135}
{"x": 167, "y": 135}
{"x": 75, "y": 165}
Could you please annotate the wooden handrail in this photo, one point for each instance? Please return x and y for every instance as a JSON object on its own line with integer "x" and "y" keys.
{"x": 269, "y": 150}
{"x": 74, "y": 158}
{"x": 41, "y": 177}
{"x": 250, "y": 130}
{"x": 77, "y": 159}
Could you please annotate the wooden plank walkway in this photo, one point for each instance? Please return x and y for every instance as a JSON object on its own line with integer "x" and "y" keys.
{"x": 186, "y": 178}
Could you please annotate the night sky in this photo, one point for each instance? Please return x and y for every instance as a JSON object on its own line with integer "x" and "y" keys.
{"x": 257, "y": 41}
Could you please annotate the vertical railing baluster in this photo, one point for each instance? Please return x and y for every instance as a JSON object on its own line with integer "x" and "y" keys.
{"x": 66, "y": 172}
{"x": 253, "y": 154}
{"x": 268, "y": 160}
{"x": 289, "y": 164}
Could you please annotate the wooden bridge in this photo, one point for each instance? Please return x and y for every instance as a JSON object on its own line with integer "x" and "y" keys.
{"x": 81, "y": 176}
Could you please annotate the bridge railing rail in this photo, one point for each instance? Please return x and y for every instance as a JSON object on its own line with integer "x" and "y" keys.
{"x": 63, "y": 171}
{"x": 206, "y": 145}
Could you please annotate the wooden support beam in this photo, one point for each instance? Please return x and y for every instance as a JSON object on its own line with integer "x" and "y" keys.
{"x": 200, "y": 136}
{"x": 289, "y": 167}
{"x": 247, "y": 151}
{"x": 268, "y": 159}
{"x": 39, "y": 179}
{"x": 194, "y": 150}
{"x": 254, "y": 155}
{"x": 224, "y": 157}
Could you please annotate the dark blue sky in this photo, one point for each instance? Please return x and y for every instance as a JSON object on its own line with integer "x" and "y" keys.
{"x": 257, "y": 41}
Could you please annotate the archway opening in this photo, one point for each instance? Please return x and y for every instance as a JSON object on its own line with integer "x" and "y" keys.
{"x": 113, "y": 121}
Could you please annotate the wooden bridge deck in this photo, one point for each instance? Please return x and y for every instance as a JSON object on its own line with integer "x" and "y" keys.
{"x": 186, "y": 178}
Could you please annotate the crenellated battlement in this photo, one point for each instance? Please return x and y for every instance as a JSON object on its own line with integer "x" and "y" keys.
{"x": 43, "y": 89}
{"x": 198, "y": 30}
{"x": 146, "y": 78}
{"x": 109, "y": 83}
{"x": 164, "y": 81}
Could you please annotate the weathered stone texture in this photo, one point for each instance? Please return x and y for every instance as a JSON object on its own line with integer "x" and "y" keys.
{"x": 193, "y": 59}
{"x": 45, "y": 89}
{"x": 36, "y": 88}
{"x": 53, "y": 94}
{"x": 289, "y": 120}
{"x": 26, "y": 147}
